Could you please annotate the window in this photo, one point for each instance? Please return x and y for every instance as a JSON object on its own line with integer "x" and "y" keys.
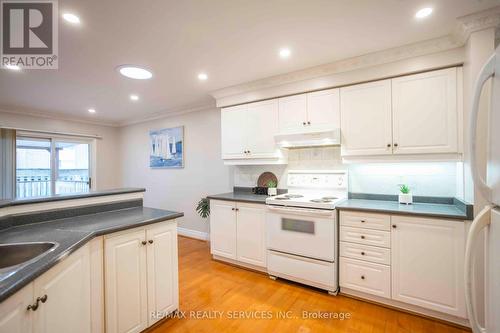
{"x": 46, "y": 166}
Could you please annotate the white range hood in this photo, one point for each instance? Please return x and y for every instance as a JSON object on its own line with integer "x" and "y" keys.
{"x": 308, "y": 139}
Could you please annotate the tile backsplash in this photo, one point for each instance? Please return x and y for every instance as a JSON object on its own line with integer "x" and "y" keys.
{"x": 424, "y": 178}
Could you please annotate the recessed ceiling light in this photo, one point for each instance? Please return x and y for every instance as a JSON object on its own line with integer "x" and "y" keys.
{"x": 135, "y": 72}
{"x": 71, "y": 18}
{"x": 424, "y": 12}
{"x": 134, "y": 97}
{"x": 91, "y": 110}
{"x": 13, "y": 67}
{"x": 285, "y": 53}
{"x": 202, "y": 76}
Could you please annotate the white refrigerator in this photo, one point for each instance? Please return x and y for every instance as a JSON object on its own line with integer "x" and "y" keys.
{"x": 489, "y": 217}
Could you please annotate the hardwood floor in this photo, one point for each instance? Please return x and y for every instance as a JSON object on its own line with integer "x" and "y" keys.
{"x": 208, "y": 286}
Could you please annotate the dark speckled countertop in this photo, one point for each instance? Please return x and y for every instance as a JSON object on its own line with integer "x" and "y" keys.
{"x": 450, "y": 208}
{"x": 242, "y": 194}
{"x": 70, "y": 234}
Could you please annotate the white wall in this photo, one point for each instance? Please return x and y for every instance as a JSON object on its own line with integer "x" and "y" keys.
{"x": 424, "y": 178}
{"x": 178, "y": 189}
{"x": 107, "y": 148}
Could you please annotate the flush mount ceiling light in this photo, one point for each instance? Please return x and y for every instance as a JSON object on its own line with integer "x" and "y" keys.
{"x": 423, "y": 13}
{"x": 91, "y": 110}
{"x": 285, "y": 53}
{"x": 13, "y": 67}
{"x": 71, "y": 18}
{"x": 202, "y": 76}
{"x": 134, "y": 97}
{"x": 134, "y": 72}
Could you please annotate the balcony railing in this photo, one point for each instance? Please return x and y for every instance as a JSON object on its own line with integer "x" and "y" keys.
{"x": 39, "y": 187}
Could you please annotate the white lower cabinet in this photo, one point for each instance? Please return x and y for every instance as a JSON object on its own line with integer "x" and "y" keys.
{"x": 428, "y": 263}
{"x": 420, "y": 263}
{"x": 140, "y": 277}
{"x": 137, "y": 269}
{"x": 237, "y": 231}
{"x": 58, "y": 300}
{"x": 367, "y": 277}
{"x": 125, "y": 282}
{"x": 14, "y": 318}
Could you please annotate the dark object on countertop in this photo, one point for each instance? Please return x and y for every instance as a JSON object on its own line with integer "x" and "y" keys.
{"x": 265, "y": 178}
{"x": 261, "y": 190}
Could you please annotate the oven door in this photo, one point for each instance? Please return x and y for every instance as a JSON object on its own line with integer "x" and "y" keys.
{"x": 300, "y": 231}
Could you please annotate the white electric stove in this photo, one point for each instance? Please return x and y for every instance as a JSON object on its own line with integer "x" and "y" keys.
{"x": 302, "y": 230}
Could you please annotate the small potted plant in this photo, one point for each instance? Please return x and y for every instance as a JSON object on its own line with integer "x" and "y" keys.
{"x": 405, "y": 197}
{"x": 203, "y": 208}
{"x": 272, "y": 188}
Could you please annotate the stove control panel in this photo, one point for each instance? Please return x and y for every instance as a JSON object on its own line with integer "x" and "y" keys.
{"x": 318, "y": 179}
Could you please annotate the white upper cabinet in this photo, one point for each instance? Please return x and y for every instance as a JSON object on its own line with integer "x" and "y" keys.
{"x": 366, "y": 119}
{"x": 234, "y": 133}
{"x": 247, "y": 131}
{"x": 262, "y": 125}
{"x": 309, "y": 112}
{"x": 292, "y": 113}
{"x": 414, "y": 114}
{"x": 428, "y": 263}
{"x": 425, "y": 112}
{"x": 323, "y": 110}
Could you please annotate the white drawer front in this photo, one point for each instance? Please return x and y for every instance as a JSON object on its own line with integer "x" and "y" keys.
{"x": 304, "y": 270}
{"x": 365, "y": 220}
{"x": 365, "y": 236}
{"x": 366, "y": 277}
{"x": 374, "y": 254}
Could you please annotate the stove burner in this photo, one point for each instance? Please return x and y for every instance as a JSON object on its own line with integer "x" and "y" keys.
{"x": 322, "y": 200}
{"x": 329, "y": 198}
{"x": 281, "y": 198}
{"x": 291, "y": 196}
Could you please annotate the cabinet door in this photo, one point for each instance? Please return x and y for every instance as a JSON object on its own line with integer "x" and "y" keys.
{"x": 234, "y": 132}
{"x": 293, "y": 114}
{"x": 365, "y": 114}
{"x": 163, "y": 283}
{"x": 251, "y": 234}
{"x": 262, "y": 125}
{"x": 425, "y": 113}
{"x": 125, "y": 282}
{"x": 323, "y": 109}
{"x": 223, "y": 228}
{"x": 428, "y": 263}
{"x": 14, "y": 318}
{"x": 67, "y": 287}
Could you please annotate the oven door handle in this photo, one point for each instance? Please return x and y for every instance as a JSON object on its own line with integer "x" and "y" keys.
{"x": 301, "y": 211}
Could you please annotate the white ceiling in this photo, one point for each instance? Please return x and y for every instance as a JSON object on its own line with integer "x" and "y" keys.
{"x": 234, "y": 41}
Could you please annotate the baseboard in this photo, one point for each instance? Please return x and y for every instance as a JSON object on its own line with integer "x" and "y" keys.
{"x": 193, "y": 233}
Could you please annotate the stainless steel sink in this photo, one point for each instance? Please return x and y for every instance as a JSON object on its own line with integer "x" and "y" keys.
{"x": 20, "y": 254}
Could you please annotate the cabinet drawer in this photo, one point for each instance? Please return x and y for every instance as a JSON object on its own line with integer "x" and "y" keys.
{"x": 374, "y": 254}
{"x": 365, "y": 236}
{"x": 365, "y": 220}
{"x": 366, "y": 277}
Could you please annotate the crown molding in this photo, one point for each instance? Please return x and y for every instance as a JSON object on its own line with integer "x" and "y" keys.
{"x": 363, "y": 61}
{"x": 168, "y": 113}
{"x": 465, "y": 26}
{"x": 56, "y": 116}
{"x": 469, "y": 24}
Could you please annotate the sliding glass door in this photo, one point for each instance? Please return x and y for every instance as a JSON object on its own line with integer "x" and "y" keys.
{"x": 46, "y": 166}
{"x": 72, "y": 167}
